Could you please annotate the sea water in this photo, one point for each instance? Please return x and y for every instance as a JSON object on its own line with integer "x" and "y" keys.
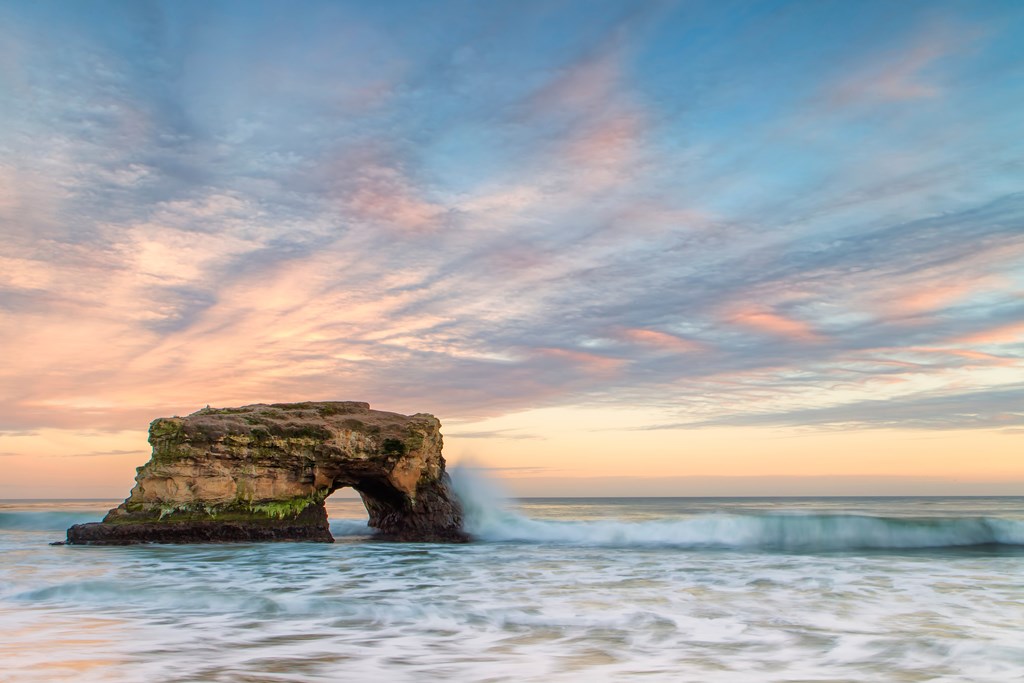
{"x": 656, "y": 589}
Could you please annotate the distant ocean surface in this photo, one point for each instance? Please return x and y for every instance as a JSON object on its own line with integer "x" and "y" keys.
{"x": 567, "y": 589}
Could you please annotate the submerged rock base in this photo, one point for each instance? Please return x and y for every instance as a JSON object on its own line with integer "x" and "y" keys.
{"x": 262, "y": 473}
{"x": 310, "y": 526}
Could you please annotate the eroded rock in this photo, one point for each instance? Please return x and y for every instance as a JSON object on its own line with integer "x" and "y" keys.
{"x": 262, "y": 473}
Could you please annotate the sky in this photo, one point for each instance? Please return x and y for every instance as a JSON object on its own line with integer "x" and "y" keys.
{"x": 618, "y": 248}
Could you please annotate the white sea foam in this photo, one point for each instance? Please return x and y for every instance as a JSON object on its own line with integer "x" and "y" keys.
{"x": 347, "y": 528}
{"x": 575, "y": 607}
{"x": 34, "y": 520}
{"x": 490, "y": 517}
{"x": 756, "y": 532}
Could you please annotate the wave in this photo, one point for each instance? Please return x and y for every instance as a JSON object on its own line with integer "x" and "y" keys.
{"x": 799, "y": 532}
{"x": 45, "y": 520}
{"x": 22, "y": 520}
{"x": 489, "y": 519}
{"x": 350, "y": 527}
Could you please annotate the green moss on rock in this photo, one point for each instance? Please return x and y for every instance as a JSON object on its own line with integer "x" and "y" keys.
{"x": 235, "y": 474}
{"x": 167, "y": 428}
{"x": 285, "y": 509}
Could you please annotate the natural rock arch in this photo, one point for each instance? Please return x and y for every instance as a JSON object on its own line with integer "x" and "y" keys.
{"x": 262, "y": 473}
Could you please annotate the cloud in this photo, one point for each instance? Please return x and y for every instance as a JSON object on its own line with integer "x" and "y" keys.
{"x": 768, "y": 486}
{"x": 492, "y": 434}
{"x": 199, "y": 222}
{"x": 994, "y": 408}
{"x": 586, "y": 84}
{"x": 514, "y": 470}
{"x": 774, "y": 323}
{"x": 92, "y": 454}
{"x": 89, "y": 454}
{"x": 661, "y": 340}
{"x": 907, "y": 73}
{"x": 1000, "y": 334}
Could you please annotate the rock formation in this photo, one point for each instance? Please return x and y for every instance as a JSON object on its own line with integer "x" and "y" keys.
{"x": 262, "y": 472}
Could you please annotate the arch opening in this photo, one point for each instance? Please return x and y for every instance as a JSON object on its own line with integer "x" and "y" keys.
{"x": 383, "y": 505}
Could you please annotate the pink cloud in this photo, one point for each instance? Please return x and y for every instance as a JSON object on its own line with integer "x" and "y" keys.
{"x": 931, "y": 298}
{"x": 918, "y": 297}
{"x": 590, "y": 362}
{"x": 765, "y": 320}
{"x": 585, "y": 85}
{"x": 384, "y": 195}
{"x": 604, "y": 152}
{"x": 603, "y": 120}
{"x": 661, "y": 340}
{"x": 905, "y": 75}
{"x": 979, "y": 358}
{"x": 1002, "y": 334}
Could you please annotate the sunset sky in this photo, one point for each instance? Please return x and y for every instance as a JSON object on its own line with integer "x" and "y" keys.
{"x": 618, "y": 248}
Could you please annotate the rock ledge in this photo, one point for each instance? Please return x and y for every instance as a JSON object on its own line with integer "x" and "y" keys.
{"x": 262, "y": 472}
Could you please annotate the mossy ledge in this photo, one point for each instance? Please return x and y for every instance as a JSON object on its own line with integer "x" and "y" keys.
{"x": 262, "y": 472}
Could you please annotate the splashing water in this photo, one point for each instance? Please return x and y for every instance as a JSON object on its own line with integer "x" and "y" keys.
{"x": 563, "y": 590}
{"x": 490, "y": 517}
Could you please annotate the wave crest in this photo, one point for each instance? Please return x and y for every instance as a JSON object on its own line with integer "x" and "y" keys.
{"x": 799, "y": 532}
{"x": 489, "y": 519}
{"x": 45, "y": 521}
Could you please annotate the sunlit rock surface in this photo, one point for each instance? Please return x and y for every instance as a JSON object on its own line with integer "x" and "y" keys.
{"x": 262, "y": 472}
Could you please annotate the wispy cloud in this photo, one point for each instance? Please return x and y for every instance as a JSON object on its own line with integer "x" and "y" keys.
{"x": 996, "y": 408}
{"x": 596, "y": 221}
{"x": 93, "y": 454}
{"x": 491, "y": 434}
{"x": 907, "y": 73}
{"x": 774, "y": 323}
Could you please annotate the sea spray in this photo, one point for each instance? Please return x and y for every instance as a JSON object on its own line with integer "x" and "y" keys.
{"x": 346, "y": 528}
{"x": 490, "y": 517}
{"x": 596, "y": 590}
{"x": 486, "y": 507}
{"x": 56, "y": 521}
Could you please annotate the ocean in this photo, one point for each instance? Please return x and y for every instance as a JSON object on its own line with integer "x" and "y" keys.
{"x": 557, "y": 589}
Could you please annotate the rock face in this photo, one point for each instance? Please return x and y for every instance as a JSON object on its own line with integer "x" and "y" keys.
{"x": 262, "y": 472}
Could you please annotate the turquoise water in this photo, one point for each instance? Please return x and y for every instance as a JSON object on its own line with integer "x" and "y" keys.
{"x": 683, "y": 589}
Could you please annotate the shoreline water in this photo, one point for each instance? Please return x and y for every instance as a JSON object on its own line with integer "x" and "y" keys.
{"x": 797, "y": 523}
{"x": 552, "y": 590}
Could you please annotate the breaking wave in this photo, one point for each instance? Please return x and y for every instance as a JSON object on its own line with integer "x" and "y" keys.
{"x": 800, "y": 532}
{"x": 341, "y": 528}
{"x": 45, "y": 521}
{"x": 489, "y": 518}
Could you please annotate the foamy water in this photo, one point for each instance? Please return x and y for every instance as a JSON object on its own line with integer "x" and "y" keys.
{"x": 554, "y": 590}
